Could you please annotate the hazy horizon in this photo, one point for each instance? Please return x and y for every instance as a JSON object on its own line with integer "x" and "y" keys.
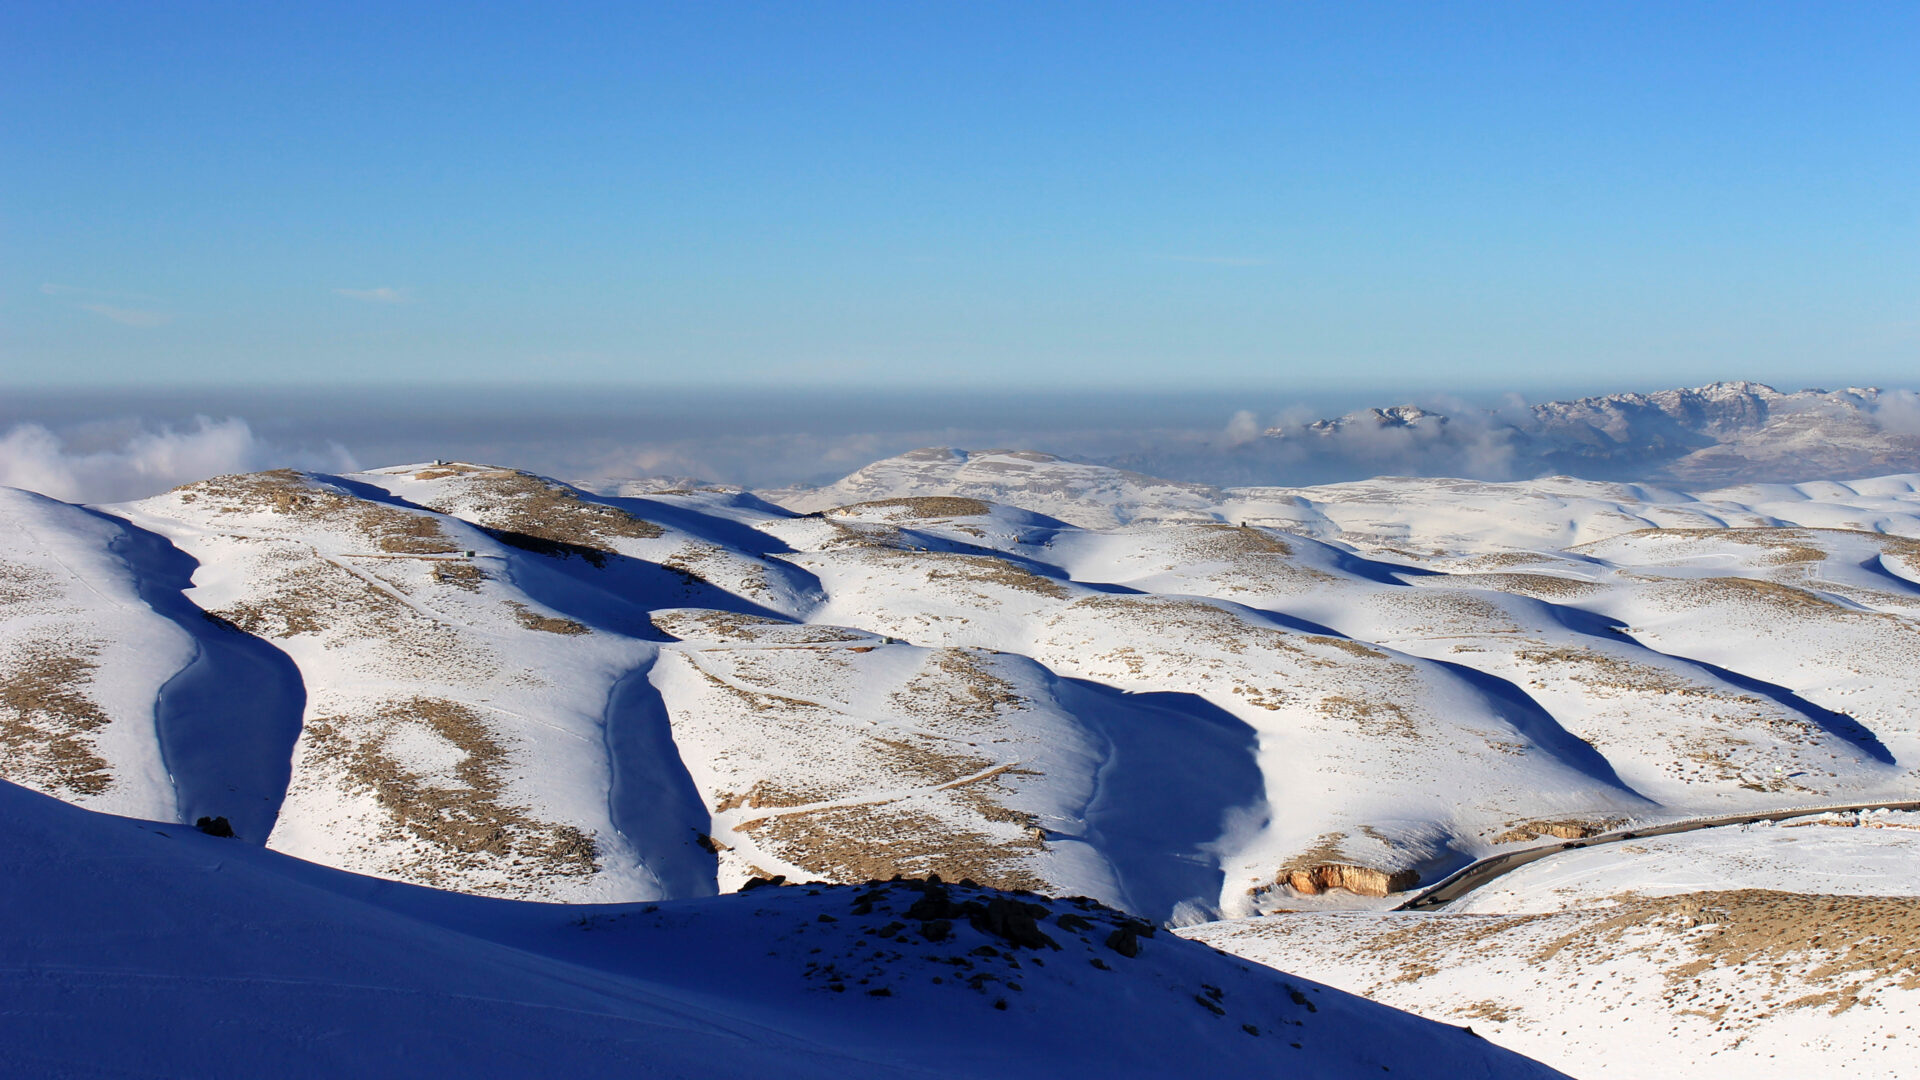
{"x": 98, "y": 446}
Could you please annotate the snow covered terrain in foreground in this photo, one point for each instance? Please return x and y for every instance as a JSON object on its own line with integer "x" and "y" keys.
{"x": 1760, "y": 950}
{"x": 1265, "y": 714}
{"x": 137, "y": 949}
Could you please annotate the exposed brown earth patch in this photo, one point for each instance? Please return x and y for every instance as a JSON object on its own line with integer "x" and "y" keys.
{"x": 547, "y": 624}
{"x": 862, "y": 843}
{"x": 1374, "y": 717}
{"x": 283, "y": 491}
{"x": 921, "y": 506}
{"x": 22, "y": 585}
{"x": 542, "y": 516}
{"x": 988, "y": 570}
{"x": 1538, "y": 586}
{"x": 460, "y": 575}
{"x": 458, "y": 820}
{"x": 47, "y": 720}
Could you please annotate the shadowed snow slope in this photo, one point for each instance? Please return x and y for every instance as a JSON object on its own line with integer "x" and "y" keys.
{"x": 134, "y": 948}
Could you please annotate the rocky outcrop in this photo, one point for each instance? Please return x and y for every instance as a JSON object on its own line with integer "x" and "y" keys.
{"x": 1360, "y": 880}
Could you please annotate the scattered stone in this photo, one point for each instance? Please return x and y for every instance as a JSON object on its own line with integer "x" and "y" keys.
{"x": 757, "y": 882}
{"x": 1124, "y": 942}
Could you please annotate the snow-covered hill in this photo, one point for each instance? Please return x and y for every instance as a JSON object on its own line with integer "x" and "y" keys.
{"x": 1188, "y": 703}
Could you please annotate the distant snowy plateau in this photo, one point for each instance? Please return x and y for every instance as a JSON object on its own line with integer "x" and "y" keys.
{"x": 503, "y": 757}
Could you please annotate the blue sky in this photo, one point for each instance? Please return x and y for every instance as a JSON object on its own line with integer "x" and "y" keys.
{"x": 1279, "y": 196}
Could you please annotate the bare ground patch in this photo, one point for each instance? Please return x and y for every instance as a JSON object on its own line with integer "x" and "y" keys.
{"x": 390, "y": 529}
{"x": 548, "y": 624}
{"x": 539, "y": 515}
{"x": 920, "y": 506}
{"x": 47, "y": 720}
{"x": 861, "y": 843}
{"x": 457, "y": 820}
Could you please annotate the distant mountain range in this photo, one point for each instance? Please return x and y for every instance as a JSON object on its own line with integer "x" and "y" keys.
{"x": 1720, "y": 433}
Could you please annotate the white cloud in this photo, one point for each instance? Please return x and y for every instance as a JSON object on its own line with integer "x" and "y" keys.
{"x": 1898, "y": 412}
{"x": 385, "y": 294}
{"x": 129, "y": 316}
{"x": 147, "y": 461}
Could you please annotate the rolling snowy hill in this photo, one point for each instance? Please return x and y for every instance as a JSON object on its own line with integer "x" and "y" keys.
{"x": 1187, "y": 703}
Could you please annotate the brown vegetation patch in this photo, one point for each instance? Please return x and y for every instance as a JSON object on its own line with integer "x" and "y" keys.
{"x": 920, "y": 506}
{"x": 548, "y": 624}
{"x": 1839, "y": 947}
{"x": 542, "y": 516}
{"x": 1538, "y": 586}
{"x": 21, "y": 584}
{"x": 1220, "y": 540}
{"x": 955, "y": 684}
{"x": 311, "y": 595}
{"x": 284, "y": 491}
{"x": 460, "y": 575}
{"x": 1770, "y": 594}
{"x": 988, "y": 570}
{"x": 462, "y": 819}
{"x": 731, "y": 627}
{"x": 861, "y": 843}
{"x": 1374, "y": 717}
{"x": 47, "y": 721}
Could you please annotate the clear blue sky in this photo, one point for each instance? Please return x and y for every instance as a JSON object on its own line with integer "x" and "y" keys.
{"x": 1031, "y": 194}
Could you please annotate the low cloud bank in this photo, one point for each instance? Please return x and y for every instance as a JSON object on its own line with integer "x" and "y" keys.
{"x": 61, "y": 448}
{"x": 144, "y": 459}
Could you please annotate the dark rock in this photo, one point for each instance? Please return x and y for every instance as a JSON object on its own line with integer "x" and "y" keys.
{"x": 1070, "y": 921}
{"x": 214, "y": 826}
{"x": 1013, "y": 921}
{"x": 1210, "y": 1006}
{"x": 936, "y": 929}
{"x": 880, "y": 992}
{"x": 757, "y": 882}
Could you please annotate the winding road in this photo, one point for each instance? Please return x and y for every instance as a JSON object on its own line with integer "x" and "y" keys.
{"x": 1470, "y": 877}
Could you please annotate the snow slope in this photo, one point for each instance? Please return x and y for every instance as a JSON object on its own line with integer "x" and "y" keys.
{"x": 1764, "y": 950}
{"x": 133, "y": 948}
